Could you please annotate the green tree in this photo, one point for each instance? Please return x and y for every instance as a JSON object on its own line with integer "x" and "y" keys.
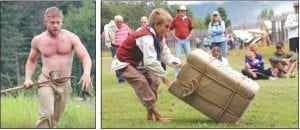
{"x": 223, "y": 15}
{"x": 266, "y": 15}
{"x": 199, "y": 23}
{"x": 82, "y": 22}
{"x": 22, "y": 20}
{"x": 140, "y": 8}
{"x": 207, "y": 20}
{"x": 11, "y": 41}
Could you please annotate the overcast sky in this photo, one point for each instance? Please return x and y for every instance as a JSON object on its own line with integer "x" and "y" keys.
{"x": 285, "y": 6}
{"x": 192, "y": 2}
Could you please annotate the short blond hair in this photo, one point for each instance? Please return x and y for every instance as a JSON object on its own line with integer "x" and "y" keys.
{"x": 159, "y": 16}
{"x": 53, "y": 12}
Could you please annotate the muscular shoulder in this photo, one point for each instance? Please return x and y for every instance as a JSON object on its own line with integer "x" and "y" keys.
{"x": 72, "y": 37}
{"x": 36, "y": 39}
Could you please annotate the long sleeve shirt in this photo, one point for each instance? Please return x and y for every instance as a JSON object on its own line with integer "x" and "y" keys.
{"x": 217, "y": 31}
{"x": 276, "y": 58}
{"x": 109, "y": 33}
{"x": 292, "y": 26}
{"x": 149, "y": 62}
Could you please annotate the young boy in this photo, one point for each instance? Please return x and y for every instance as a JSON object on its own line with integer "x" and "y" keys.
{"x": 139, "y": 60}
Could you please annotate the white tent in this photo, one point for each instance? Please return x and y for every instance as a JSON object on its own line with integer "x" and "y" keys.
{"x": 243, "y": 35}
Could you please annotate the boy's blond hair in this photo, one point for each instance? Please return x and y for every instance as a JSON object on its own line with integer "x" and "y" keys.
{"x": 53, "y": 12}
{"x": 159, "y": 16}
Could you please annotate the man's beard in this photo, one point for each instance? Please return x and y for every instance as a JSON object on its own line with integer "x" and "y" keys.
{"x": 54, "y": 31}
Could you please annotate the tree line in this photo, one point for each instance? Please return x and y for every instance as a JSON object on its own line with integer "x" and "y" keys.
{"x": 132, "y": 12}
{"x": 22, "y": 20}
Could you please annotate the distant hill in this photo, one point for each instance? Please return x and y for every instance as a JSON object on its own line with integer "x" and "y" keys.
{"x": 240, "y": 12}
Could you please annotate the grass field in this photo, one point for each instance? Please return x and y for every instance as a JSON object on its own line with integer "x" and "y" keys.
{"x": 22, "y": 112}
{"x": 275, "y": 105}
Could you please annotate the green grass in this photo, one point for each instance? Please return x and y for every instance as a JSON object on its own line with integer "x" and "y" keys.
{"x": 275, "y": 105}
{"x": 22, "y": 112}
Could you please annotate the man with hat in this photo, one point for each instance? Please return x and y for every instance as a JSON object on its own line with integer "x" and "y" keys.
{"x": 292, "y": 26}
{"x": 283, "y": 64}
{"x": 184, "y": 28}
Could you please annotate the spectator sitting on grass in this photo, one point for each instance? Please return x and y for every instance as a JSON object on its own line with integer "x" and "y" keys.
{"x": 254, "y": 68}
{"x": 216, "y": 52}
{"x": 254, "y": 48}
{"x": 283, "y": 64}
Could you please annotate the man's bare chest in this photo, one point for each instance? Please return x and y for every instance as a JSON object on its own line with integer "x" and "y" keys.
{"x": 50, "y": 47}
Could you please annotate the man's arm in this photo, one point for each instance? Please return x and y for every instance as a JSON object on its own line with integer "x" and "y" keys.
{"x": 31, "y": 62}
{"x": 83, "y": 55}
{"x": 190, "y": 35}
{"x": 290, "y": 22}
{"x": 292, "y": 56}
{"x": 191, "y": 28}
{"x": 274, "y": 59}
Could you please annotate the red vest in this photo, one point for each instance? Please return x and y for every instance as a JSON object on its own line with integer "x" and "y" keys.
{"x": 128, "y": 51}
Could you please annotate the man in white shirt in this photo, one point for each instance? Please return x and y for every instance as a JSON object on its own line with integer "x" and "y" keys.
{"x": 292, "y": 26}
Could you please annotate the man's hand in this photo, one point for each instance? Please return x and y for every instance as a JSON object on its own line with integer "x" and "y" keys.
{"x": 180, "y": 65}
{"x": 28, "y": 84}
{"x": 189, "y": 37}
{"x": 167, "y": 82}
{"x": 85, "y": 82}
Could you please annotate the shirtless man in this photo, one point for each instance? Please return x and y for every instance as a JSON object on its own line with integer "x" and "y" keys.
{"x": 56, "y": 47}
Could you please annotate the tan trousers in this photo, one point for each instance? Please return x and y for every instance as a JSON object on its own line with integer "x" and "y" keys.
{"x": 144, "y": 83}
{"x": 52, "y": 100}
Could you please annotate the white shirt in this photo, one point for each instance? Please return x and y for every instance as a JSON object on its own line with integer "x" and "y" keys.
{"x": 109, "y": 32}
{"x": 150, "y": 62}
{"x": 291, "y": 24}
{"x": 224, "y": 61}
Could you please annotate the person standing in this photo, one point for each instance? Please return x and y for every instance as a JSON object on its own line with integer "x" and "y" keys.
{"x": 216, "y": 30}
{"x": 56, "y": 47}
{"x": 115, "y": 33}
{"x": 184, "y": 29}
{"x": 144, "y": 23}
{"x": 292, "y": 26}
{"x": 139, "y": 60}
{"x": 206, "y": 43}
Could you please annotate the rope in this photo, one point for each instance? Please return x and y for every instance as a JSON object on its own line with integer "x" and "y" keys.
{"x": 192, "y": 88}
{"x": 230, "y": 99}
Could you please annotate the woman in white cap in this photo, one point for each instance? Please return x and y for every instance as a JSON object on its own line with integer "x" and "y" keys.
{"x": 216, "y": 30}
